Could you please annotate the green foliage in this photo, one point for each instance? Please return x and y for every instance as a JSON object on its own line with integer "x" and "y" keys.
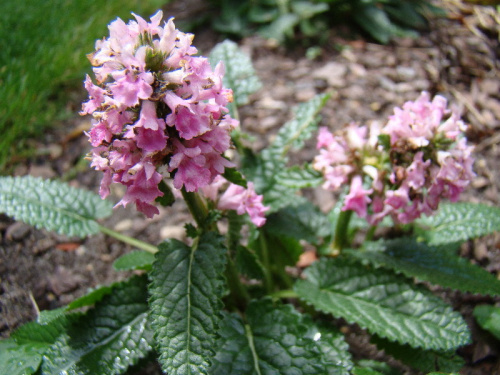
{"x": 300, "y": 177}
{"x": 281, "y": 20}
{"x": 22, "y": 354}
{"x": 186, "y": 288}
{"x": 488, "y": 318}
{"x": 240, "y": 75}
{"x": 428, "y": 263}
{"x": 264, "y": 168}
{"x": 43, "y": 60}
{"x": 52, "y": 205}
{"x": 135, "y": 260}
{"x": 277, "y": 339}
{"x": 423, "y": 360}
{"x": 302, "y": 222}
{"x": 458, "y": 222}
{"x": 107, "y": 339}
{"x": 383, "y": 303}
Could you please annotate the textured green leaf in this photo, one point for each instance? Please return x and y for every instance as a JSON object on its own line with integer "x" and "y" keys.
{"x": 423, "y": 360}
{"x": 107, "y": 339}
{"x": 22, "y": 354}
{"x": 302, "y": 222}
{"x": 52, "y": 205}
{"x": 135, "y": 260}
{"x": 186, "y": 288}
{"x": 300, "y": 177}
{"x": 295, "y": 132}
{"x": 240, "y": 75}
{"x": 264, "y": 168}
{"x": 428, "y": 263}
{"x": 248, "y": 264}
{"x": 277, "y": 340}
{"x": 19, "y": 359}
{"x": 488, "y": 317}
{"x": 372, "y": 367}
{"x": 383, "y": 303}
{"x": 456, "y": 222}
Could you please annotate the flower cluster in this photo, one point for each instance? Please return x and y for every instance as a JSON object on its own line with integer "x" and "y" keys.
{"x": 154, "y": 105}
{"x": 402, "y": 169}
{"x": 238, "y": 198}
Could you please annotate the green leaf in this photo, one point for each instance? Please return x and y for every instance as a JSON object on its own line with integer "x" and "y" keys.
{"x": 264, "y": 168}
{"x": 280, "y": 28}
{"x": 455, "y": 222}
{"x": 52, "y": 205}
{"x": 302, "y": 222}
{"x": 423, "y": 360}
{"x": 168, "y": 197}
{"x": 428, "y": 263}
{"x": 277, "y": 340}
{"x": 19, "y": 359}
{"x": 248, "y": 263}
{"x": 300, "y": 177}
{"x": 372, "y": 367}
{"x": 23, "y": 352}
{"x": 240, "y": 75}
{"x": 135, "y": 260}
{"x": 234, "y": 176}
{"x": 488, "y": 317}
{"x": 186, "y": 288}
{"x": 294, "y": 133}
{"x": 107, "y": 339}
{"x": 385, "y": 304}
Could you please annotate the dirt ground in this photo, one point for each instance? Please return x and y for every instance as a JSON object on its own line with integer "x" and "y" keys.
{"x": 458, "y": 58}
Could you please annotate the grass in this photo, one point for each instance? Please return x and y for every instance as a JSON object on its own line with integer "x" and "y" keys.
{"x": 43, "y": 47}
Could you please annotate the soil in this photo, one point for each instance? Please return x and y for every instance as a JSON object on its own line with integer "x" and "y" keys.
{"x": 458, "y": 58}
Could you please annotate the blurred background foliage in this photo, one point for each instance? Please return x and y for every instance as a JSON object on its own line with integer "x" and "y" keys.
{"x": 43, "y": 60}
{"x": 44, "y": 43}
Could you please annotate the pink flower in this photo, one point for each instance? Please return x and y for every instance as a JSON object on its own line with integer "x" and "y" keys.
{"x": 148, "y": 78}
{"x": 427, "y": 159}
{"x": 358, "y": 198}
{"x": 244, "y": 200}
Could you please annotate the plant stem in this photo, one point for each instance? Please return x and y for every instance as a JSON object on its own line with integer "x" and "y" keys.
{"x": 264, "y": 257}
{"x": 288, "y": 293}
{"x": 239, "y": 293}
{"x": 129, "y": 240}
{"x": 341, "y": 230}
{"x": 198, "y": 210}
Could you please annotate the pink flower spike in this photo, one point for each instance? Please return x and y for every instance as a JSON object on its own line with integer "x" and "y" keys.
{"x": 358, "y": 198}
{"x": 244, "y": 200}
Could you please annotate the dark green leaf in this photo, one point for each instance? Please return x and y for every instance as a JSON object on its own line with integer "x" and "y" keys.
{"x": 428, "y": 263}
{"x": 385, "y": 304}
{"x": 248, "y": 263}
{"x": 376, "y": 366}
{"x": 455, "y": 222}
{"x": 488, "y": 318}
{"x": 277, "y": 340}
{"x": 52, "y": 205}
{"x": 107, "y": 339}
{"x": 302, "y": 222}
{"x": 22, "y": 354}
{"x": 423, "y": 360}
{"x": 135, "y": 260}
{"x": 186, "y": 288}
{"x": 168, "y": 197}
{"x": 234, "y": 176}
